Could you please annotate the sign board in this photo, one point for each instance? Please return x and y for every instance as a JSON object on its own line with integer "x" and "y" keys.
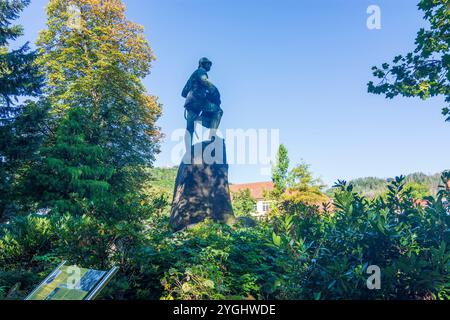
{"x": 72, "y": 283}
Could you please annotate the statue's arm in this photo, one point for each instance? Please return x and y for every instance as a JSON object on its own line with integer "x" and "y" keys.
{"x": 186, "y": 90}
{"x": 205, "y": 81}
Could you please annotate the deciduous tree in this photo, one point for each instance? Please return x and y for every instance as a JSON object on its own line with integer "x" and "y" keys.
{"x": 423, "y": 73}
{"x": 96, "y": 68}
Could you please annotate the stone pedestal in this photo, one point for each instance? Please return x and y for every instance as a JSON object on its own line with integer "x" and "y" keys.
{"x": 201, "y": 187}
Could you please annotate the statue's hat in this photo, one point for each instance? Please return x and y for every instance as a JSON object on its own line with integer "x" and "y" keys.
{"x": 204, "y": 60}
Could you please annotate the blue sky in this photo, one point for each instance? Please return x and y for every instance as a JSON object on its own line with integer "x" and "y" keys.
{"x": 298, "y": 66}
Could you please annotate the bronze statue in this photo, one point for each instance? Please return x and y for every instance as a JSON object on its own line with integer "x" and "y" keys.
{"x": 202, "y": 102}
{"x": 201, "y": 187}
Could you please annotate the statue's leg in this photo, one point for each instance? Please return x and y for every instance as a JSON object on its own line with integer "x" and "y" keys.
{"x": 190, "y": 129}
{"x": 215, "y": 123}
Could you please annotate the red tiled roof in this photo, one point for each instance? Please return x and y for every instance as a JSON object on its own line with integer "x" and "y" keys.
{"x": 421, "y": 203}
{"x": 256, "y": 189}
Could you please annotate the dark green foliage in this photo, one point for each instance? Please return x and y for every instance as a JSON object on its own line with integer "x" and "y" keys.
{"x": 18, "y": 75}
{"x": 73, "y": 175}
{"x": 425, "y": 72}
{"x": 408, "y": 242}
{"x": 213, "y": 261}
{"x": 10, "y": 10}
{"x": 307, "y": 255}
{"x": 301, "y": 254}
{"x": 79, "y": 197}
{"x": 21, "y": 130}
{"x": 280, "y": 171}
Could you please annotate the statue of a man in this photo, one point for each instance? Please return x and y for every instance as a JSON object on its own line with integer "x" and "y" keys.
{"x": 202, "y": 102}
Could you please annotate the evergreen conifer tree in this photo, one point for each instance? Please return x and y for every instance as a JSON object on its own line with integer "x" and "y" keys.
{"x": 20, "y": 131}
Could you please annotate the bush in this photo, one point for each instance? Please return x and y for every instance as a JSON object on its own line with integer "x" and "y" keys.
{"x": 301, "y": 253}
{"x": 213, "y": 261}
{"x": 407, "y": 241}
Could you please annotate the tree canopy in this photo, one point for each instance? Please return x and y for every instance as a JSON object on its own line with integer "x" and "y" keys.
{"x": 103, "y": 123}
{"x": 20, "y": 131}
{"x": 425, "y": 72}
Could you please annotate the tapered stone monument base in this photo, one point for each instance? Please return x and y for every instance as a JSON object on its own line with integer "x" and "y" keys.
{"x": 201, "y": 187}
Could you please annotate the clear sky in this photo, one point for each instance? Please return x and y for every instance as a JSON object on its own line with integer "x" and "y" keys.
{"x": 298, "y": 66}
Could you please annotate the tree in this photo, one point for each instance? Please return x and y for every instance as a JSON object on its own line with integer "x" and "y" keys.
{"x": 243, "y": 203}
{"x": 296, "y": 185}
{"x": 74, "y": 175}
{"x": 423, "y": 73}
{"x": 18, "y": 75}
{"x": 103, "y": 132}
{"x": 280, "y": 171}
{"x": 20, "y": 131}
{"x": 96, "y": 66}
{"x": 303, "y": 187}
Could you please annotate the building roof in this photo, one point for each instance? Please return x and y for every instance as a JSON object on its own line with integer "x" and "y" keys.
{"x": 256, "y": 189}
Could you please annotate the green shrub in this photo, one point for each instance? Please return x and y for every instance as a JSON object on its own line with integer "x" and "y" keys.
{"x": 407, "y": 241}
{"x": 301, "y": 253}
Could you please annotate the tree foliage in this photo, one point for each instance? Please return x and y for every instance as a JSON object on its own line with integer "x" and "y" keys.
{"x": 303, "y": 187}
{"x": 372, "y": 187}
{"x": 298, "y": 255}
{"x": 101, "y": 135}
{"x": 425, "y": 72}
{"x": 18, "y": 75}
{"x": 243, "y": 203}
{"x": 103, "y": 122}
{"x": 296, "y": 185}
{"x": 280, "y": 171}
{"x": 20, "y": 122}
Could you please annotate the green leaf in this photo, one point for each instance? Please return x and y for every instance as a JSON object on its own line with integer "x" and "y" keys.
{"x": 276, "y": 239}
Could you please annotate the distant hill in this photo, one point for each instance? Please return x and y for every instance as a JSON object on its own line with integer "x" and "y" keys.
{"x": 372, "y": 187}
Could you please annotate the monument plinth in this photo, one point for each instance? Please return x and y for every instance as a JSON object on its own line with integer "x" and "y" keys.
{"x": 201, "y": 187}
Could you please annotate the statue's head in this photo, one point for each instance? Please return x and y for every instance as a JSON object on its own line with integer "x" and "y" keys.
{"x": 205, "y": 63}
